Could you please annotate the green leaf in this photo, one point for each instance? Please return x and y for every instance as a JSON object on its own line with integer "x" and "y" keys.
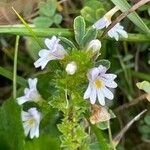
{"x": 145, "y": 85}
{"x": 128, "y": 57}
{"x": 79, "y": 29}
{"x": 100, "y": 137}
{"x": 103, "y": 62}
{"x": 88, "y": 14}
{"x": 48, "y": 8}
{"x": 66, "y": 43}
{"x": 103, "y": 125}
{"x": 145, "y": 129}
{"x": 100, "y": 12}
{"x": 43, "y": 22}
{"x": 6, "y": 73}
{"x": 147, "y": 120}
{"x": 57, "y": 19}
{"x": 11, "y": 130}
{"x": 44, "y": 142}
{"x": 45, "y": 84}
{"x": 134, "y": 17}
{"x": 89, "y": 36}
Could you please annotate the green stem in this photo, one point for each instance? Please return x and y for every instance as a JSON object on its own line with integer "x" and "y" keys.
{"x": 45, "y": 32}
{"x": 40, "y": 32}
{"x": 110, "y": 136}
{"x": 15, "y": 68}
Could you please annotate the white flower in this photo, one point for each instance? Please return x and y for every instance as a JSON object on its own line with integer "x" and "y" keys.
{"x": 94, "y": 46}
{"x": 31, "y": 121}
{"x": 31, "y": 93}
{"x": 99, "y": 82}
{"x": 105, "y": 21}
{"x": 116, "y": 31}
{"x": 102, "y": 23}
{"x": 55, "y": 51}
{"x": 71, "y": 68}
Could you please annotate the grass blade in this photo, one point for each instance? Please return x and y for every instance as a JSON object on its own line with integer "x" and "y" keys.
{"x": 30, "y": 30}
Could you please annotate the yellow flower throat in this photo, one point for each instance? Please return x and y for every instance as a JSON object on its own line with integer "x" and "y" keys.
{"x": 31, "y": 122}
{"x": 98, "y": 83}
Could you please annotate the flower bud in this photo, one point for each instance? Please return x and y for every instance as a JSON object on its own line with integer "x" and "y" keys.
{"x": 94, "y": 46}
{"x": 71, "y": 68}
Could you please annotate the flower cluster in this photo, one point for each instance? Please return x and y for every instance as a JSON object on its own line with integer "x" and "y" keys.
{"x": 105, "y": 21}
{"x": 31, "y": 119}
{"x": 55, "y": 51}
{"x": 100, "y": 82}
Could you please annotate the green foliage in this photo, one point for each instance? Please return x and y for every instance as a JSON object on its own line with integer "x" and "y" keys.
{"x": 43, "y": 21}
{"x": 79, "y": 29}
{"x": 89, "y": 36}
{"x": 93, "y": 10}
{"x": 82, "y": 35}
{"x": 103, "y": 62}
{"x": 44, "y": 142}
{"x": 67, "y": 43}
{"x": 144, "y": 128}
{"x": 147, "y": 120}
{"x": 103, "y": 125}
{"x": 11, "y": 131}
{"x": 47, "y": 14}
{"x": 102, "y": 143}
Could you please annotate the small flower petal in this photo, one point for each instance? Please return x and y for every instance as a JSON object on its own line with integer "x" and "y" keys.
{"x": 116, "y": 31}
{"x": 31, "y": 93}
{"x": 22, "y": 100}
{"x": 87, "y": 92}
{"x": 107, "y": 93}
{"x": 93, "y": 96}
{"x": 101, "y": 97}
{"x": 110, "y": 84}
{"x": 100, "y": 24}
{"x": 109, "y": 76}
{"x": 93, "y": 73}
{"x": 32, "y": 83}
{"x": 55, "y": 51}
{"x": 31, "y": 122}
{"x": 52, "y": 43}
{"x": 44, "y": 53}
